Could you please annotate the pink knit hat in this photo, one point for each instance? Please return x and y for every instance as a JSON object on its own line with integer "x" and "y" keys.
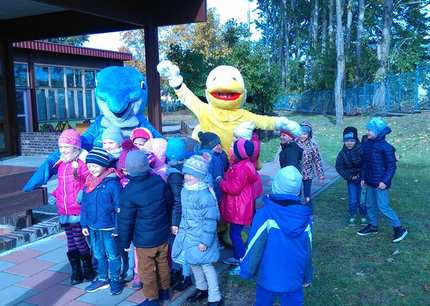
{"x": 140, "y": 132}
{"x": 70, "y": 137}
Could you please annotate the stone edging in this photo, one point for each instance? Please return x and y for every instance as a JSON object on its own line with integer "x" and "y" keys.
{"x": 29, "y": 234}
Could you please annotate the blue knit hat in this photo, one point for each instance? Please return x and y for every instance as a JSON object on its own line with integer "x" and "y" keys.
{"x": 113, "y": 133}
{"x": 288, "y": 180}
{"x": 99, "y": 156}
{"x": 176, "y": 149}
{"x": 197, "y": 166}
{"x": 376, "y": 125}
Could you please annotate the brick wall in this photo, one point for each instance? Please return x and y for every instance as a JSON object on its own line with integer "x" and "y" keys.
{"x": 38, "y": 143}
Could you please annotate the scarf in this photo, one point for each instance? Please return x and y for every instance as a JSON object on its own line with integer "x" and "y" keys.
{"x": 93, "y": 181}
{"x": 199, "y": 186}
{"x": 116, "y": 153}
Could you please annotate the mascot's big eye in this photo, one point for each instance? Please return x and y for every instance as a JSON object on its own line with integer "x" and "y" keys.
{"x": 142, "y": 85}
{"x": 214, "y": 79}
{"x": 234, "y": 78}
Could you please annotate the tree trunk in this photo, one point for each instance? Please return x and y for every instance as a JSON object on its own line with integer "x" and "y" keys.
{"x": 331, "y": 21}
{"x": 285, "y": 43}
{"x": 360, "y": 30}
{"x": 379, "y": 99}
{"x": 340, "y": 58}
{"x": 315, "y": 14}
{"x": 348, "y": 24}
{"x": 324, "y": 29}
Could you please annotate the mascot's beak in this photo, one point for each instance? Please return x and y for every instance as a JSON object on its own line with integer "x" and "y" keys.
{"x": 226, "y": 90}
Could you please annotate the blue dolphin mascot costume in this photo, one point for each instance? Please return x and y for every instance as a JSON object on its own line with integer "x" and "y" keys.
{"x": 121, "y": 96}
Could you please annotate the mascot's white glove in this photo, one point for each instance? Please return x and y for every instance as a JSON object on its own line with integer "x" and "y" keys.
{"x": 244, "y": 130}
{"x": 170, "y": 72}
{"x": 283, "y": 124}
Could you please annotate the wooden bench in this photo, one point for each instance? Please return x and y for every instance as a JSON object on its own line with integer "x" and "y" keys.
{"x": 13, "y": 199}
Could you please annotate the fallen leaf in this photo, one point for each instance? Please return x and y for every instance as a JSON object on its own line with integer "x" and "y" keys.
{"x": 360, "y": 274}
{"x": 396, "y": 252}
{"x": 390, "y": 259}
{"x": 426, "y": 287}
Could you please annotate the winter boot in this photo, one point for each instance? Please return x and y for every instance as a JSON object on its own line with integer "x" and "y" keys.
{"x": 184, "y": 284}
{"x": 87, "y": 264}
{"x": 75, "y": 263}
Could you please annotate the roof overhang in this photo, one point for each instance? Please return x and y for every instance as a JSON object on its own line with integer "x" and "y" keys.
{"x": 39, "y": 19}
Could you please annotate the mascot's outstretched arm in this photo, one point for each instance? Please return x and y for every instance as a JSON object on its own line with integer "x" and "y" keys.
{"x": 121, "y": 95}
{"x": 225, "y": 92}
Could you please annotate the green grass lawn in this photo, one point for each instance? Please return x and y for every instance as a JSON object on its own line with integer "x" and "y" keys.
{"x": 371, "y": 271}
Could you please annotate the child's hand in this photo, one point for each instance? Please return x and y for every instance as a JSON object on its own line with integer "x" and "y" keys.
{"x": 307, "y": 199}
{"x": 202, "y": 247}
{"x": 322, "y": 178}
{"x": 362, "y": 183}
{"x": 174, "y": 230}
{"x": 382, "y": 186}
{"x": 218, "y": 179}
{"x": 354, "y": 177}
{"x": 85, "y": 232}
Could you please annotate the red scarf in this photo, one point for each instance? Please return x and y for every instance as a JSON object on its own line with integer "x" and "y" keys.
{"x": 92, "y": 181}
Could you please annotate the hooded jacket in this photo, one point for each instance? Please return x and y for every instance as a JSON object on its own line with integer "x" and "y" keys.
{"x": 175, "y": 181}
{"x": 379, "y": 160}
{"x": 71, "y": 180}
{"x": 291, "y": 155}
{"x": 237, "y": 203}
{"x": 279, "y": 244}
{"x": 99, "y": 208}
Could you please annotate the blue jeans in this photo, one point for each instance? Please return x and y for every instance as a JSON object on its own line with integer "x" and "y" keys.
{"x": 236, "y": 240}
{"x": 379, "y": 199}
{"x": 265, "y": 297}
{"x": 354, "y": 194}
{"x": 106, "y": 252}
{"x": 127, "y": 258}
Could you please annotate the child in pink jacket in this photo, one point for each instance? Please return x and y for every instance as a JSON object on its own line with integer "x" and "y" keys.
{"x": 71, "y": 173}
{"x": 237, "y": 203}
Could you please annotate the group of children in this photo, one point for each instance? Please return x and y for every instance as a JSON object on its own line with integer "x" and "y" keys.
{"x": 151, "y": 209}
{"x": 147, "y": 210}
{"x": 369, "y": 166}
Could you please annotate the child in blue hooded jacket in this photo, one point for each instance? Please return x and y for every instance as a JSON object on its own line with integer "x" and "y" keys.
{"x": 379, "y": 166}
{"x": 279, "y": 243}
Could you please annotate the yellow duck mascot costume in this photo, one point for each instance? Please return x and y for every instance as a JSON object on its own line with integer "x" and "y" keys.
{"x": 225, "y": 92}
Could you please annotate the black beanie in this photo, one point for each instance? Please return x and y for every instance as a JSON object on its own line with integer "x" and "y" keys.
{"x": 208, "y": 140}
{"x": 350, "y": 132}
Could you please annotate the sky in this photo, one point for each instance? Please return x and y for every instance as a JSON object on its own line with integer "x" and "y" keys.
{"x": 227, "y": 9}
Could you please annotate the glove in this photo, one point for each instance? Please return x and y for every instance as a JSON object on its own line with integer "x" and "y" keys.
{"x": 283, "y": 124}
{"x": 244, "y": 130}
{"x": 170, "y": 72}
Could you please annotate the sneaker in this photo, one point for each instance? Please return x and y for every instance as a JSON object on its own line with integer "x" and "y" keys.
{"x": 352, "y": 221}
{"x": 235, "y": 271}
{"x": 115, "y": 287}
{"x": 399, "y": 234}
{"x": 198, "y": 296}
{"x": 97, "y": 285}
{"x": 363, "y": 221}
{"x": 368, "y": 230}
{"x": 231, "y": 261}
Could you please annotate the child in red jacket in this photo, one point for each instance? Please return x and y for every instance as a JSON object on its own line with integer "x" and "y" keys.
{"x": 237, "y": 203}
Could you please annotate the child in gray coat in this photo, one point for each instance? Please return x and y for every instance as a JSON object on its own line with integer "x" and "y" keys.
{"x": 196, "y": 242}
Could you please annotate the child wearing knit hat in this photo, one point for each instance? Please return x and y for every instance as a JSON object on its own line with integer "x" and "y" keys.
{"x": 196, "y": 242}
{"x": 71, "y": 173}
{"x": 348, "y": 165}
{"x": 379, "y": 167}
{"x": 311, "y": 160}
{"x": 176, "y": 153}
{"x": 279, "y": 253}
{"x": 291, "y": 153}
{"x": 144, "y": 221}
{"x": 100, "y": 206}
{"x": 237, "y": 203}
{"x": 211, "y": 143}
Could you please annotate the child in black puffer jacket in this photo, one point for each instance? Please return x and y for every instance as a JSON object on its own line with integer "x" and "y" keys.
{"x": 348, "y": 165}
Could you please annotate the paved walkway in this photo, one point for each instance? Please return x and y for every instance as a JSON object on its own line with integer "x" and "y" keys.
{"x": 39, "y": 273}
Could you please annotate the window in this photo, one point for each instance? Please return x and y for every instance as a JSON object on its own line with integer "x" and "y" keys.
{"x": 42, "y": 76}
{"x": 21, "y": 74}
{"x": 64, "y": 93}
